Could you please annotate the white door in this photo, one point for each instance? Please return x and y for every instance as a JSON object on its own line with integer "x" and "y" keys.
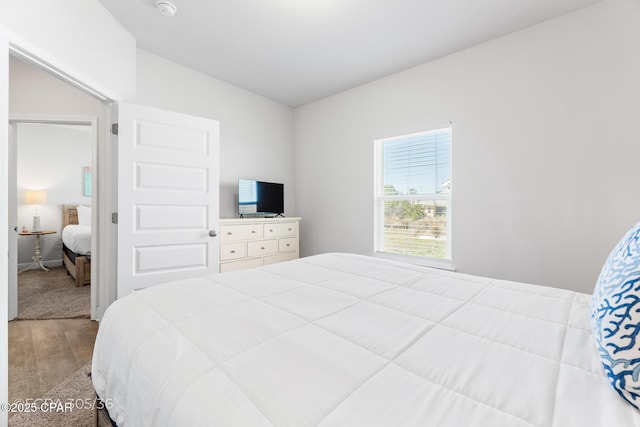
{"x": 168, "y": 179}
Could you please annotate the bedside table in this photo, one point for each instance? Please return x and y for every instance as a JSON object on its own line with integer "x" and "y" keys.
{"x": 37, "y": 256}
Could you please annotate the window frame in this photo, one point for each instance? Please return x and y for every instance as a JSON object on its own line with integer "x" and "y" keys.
{"x": 380, "y": 198}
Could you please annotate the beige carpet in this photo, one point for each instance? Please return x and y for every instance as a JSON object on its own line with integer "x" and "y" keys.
{"x": 51, "y": 295}
{"x": 66, "y": 405}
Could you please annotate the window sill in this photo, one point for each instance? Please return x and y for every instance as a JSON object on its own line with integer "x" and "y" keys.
{"x": 442, "y": 264}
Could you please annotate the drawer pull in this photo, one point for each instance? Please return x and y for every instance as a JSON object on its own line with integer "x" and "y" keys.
{"x": 233, "y": 252}
{"x": 288, "y": 244}
{"x": 289, "y": 228}
{"x": 253, "y": 231}
{"x": 271, "y": 231}
{"x": 229, "y": 233}
{"x": 262, "y": 247}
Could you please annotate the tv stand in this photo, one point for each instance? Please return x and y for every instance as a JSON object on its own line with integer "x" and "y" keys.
{"x": 265, "y": 216}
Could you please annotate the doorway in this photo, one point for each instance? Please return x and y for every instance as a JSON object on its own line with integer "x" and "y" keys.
{"x": 51, "y": 174}
{"x": 38, "y": 98}
{"x": 44, "y": 353}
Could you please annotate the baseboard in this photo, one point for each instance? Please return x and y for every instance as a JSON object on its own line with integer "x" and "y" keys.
{"x": 49, "y": 263}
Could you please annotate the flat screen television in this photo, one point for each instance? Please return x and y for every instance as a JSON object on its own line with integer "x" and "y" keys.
{"x": 260, "y": 198}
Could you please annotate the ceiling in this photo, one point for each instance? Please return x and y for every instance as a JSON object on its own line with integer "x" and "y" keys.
{"x": 298, "y": 51}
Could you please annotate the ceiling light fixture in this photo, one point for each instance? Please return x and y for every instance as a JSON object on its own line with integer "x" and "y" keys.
{"x": 166, "y": 8}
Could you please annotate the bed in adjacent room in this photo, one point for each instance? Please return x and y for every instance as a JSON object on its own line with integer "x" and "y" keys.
{"x": 76, "y": 242}
{"x": 349, "y": 340}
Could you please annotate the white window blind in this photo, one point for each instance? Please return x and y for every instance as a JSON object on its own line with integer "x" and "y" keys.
{"x": 413, "y": 189}
{"x": 247, "y": 196}
{"x": 247, "y": 191}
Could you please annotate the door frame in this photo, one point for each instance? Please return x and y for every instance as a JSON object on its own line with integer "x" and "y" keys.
{"x": 106, "y": 168}
{"x": 14, "y": 121}
{"x": 106, "y": 193}
{"x": 4, "y": 220}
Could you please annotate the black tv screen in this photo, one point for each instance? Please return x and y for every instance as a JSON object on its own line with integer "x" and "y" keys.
{"x": 260, "y": 198}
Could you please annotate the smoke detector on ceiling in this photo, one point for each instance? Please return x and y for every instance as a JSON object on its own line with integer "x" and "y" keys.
{"x": 166, "y": 8}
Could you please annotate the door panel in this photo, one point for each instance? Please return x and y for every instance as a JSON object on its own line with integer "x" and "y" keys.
{"x": 167, "y": 177}
{"x": 170, "y": 257}
{"x": 168, "y": 183}
{"x": 172, "y": 217}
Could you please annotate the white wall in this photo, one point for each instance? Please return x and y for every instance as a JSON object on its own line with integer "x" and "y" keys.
{"x": 33, "y": 92}
{"x": 50, "y": 158}
{"x": 78, "y": 37}
{"x": 545, "y": 148}
{"x": 256, "y": 134}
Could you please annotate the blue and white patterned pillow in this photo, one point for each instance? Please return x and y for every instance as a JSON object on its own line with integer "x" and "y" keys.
{"x": 615, "y": 315}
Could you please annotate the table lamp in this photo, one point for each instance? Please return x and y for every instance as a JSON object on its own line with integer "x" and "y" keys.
{"x": 36, "y": 197}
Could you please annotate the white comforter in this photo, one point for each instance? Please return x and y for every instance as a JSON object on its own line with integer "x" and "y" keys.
{"x": 345, "y": 340}
{"x": 77, "y": 238}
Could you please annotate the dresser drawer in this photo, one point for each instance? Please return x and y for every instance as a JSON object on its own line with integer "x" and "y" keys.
{"x": 225, "y": 267}
{"x": 229, "y": 251}
{"x": 281, "y": 229}
{"x": 263, "y": 247}
{"x": 288, "y": 245}
{"x": 280, "y": 258}
{"x": 230, "y": 233}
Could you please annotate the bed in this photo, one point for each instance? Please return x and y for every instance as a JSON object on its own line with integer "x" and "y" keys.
{"x": 76, "y": 243}
{"x": 350, "y": 340}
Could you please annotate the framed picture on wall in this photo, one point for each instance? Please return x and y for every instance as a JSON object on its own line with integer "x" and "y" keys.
{"x": 86, "y": 180}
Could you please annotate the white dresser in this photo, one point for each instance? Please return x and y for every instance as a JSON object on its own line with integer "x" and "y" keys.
{"x": 252, "y": 242}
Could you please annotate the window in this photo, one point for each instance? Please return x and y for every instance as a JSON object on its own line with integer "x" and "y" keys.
{"x": 412, "y": 196}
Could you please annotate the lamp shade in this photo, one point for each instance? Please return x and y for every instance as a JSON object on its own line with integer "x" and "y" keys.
{"x": 35, "y": 197}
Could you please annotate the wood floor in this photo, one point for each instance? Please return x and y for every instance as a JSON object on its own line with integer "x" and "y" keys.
{"x": 43, "y": 353}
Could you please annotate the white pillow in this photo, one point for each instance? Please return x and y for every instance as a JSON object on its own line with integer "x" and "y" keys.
{"x": 84, "y": 215}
